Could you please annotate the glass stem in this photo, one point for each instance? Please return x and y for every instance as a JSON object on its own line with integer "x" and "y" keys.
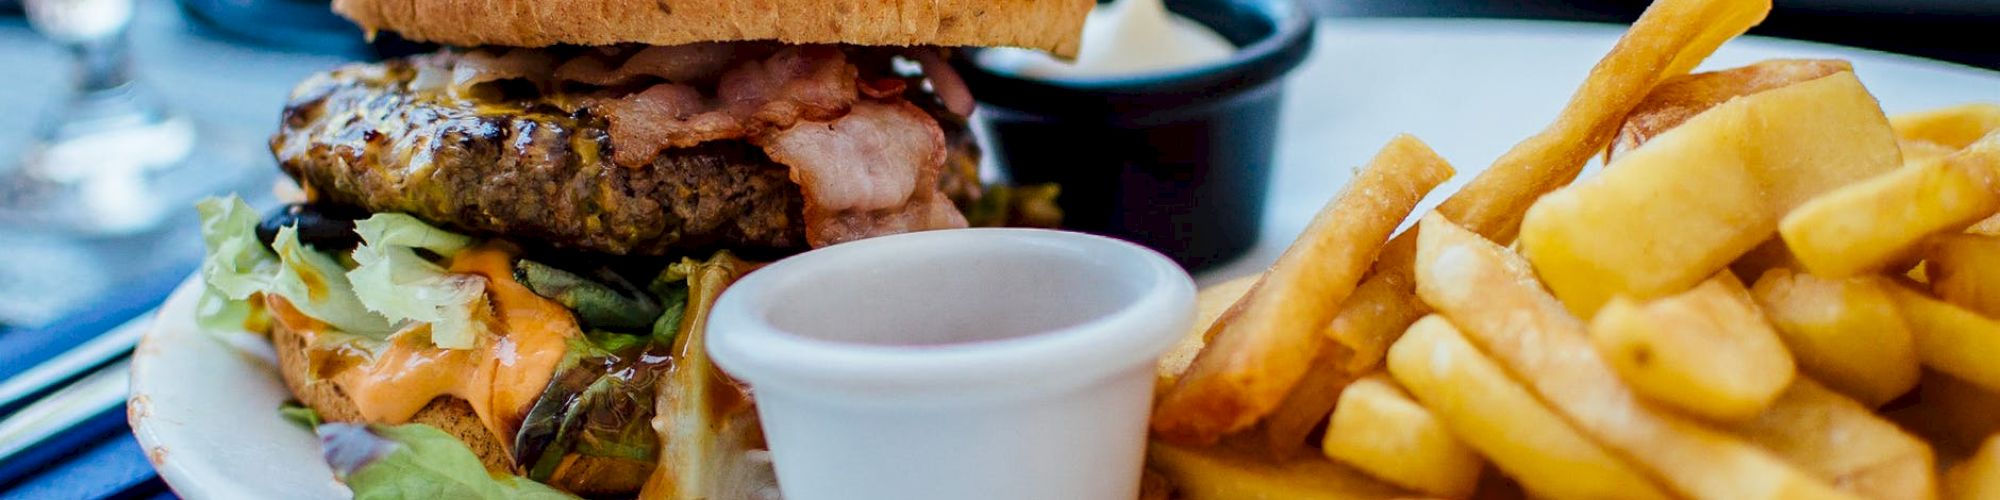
{"x": 101, "y": 65}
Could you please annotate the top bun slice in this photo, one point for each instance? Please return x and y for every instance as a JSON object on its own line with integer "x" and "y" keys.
{"x": 1055, "y": 26}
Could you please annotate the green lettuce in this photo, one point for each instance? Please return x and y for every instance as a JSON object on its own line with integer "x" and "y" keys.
{"x": 416, "y": 461}
{"x": 235, "y": 266}
{"x": 317, "y": 285}
{"x": 391, "y": 278}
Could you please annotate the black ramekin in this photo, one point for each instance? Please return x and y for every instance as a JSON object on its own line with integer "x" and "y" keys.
{"x": 1178, "y": 161}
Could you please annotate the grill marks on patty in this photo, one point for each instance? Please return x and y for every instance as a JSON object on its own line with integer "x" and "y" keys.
{"x": 358, "y": 137}
{"x": 540, "y": 167}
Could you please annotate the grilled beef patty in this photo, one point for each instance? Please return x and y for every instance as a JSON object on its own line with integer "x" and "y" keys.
{"x": 533, "y": 172}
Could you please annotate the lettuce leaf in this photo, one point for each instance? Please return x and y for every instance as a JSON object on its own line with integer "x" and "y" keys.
{"x": 236, "y": 265}
{"x": 391, "y": 278}
{"x": 416, "y": 461}
{"x": 317, "y": 285}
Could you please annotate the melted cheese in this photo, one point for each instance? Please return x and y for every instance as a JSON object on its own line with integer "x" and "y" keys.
{"x": 501, "y": 376}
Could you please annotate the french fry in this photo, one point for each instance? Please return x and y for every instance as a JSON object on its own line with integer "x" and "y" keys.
{"x": 1256, "y": 355}
{"x": 1950, "y": 413}
{"x": 1666, "y": 216}
{"x": 1491, "y": 295}
{"x": 1231, "y": 473}
{"x": 1849, "y": 334}
{"x": 1771, "y": 254}
{"x": 1978, "y": 478}
{"x": 1707, "y": 351}
{"x": 1208, "y": 305}
{"x": 1964, "y": 269}
{"x": 1988, "y": 227}
{"x": 1677, "y": 99}
{"x": 1669, "y": 39}
{"x": 1877, "y": 222}
{"x": 1842, "y": 442}
{"x": 1285, "y": 429}
{"x": 1953, "y": 127}
{"x": 1951, "y": 339}
{"x": 1378, "y": 429}
{"x": 1379, "y": 309}
{"x": 1475, "y": 398}
{"x": 1916, "y": 151}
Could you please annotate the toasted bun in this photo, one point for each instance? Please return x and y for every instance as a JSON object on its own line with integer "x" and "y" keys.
{"x": 452, "y": 415}
{"x": 1052, "y": 25}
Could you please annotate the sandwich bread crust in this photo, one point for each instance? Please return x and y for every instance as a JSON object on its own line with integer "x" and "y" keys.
{"x": 1052, "y": 25}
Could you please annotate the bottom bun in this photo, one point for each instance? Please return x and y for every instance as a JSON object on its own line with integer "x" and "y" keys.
{"x": 586, "y": 476}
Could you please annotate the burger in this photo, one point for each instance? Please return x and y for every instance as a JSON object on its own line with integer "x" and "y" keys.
{"x": 502, "y": 253}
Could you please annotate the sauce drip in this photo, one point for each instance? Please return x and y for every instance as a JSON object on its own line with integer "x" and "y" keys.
{"x": 501, "y": 376}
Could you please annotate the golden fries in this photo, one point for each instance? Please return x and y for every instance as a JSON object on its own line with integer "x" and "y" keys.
{"x": 1842, "y": 442}
{"x": 1669, "y": 39}
{"x": 1848, "y": 333}
{"x": 1666, "y": 216}
{"x": 1679, "y": 98}
{"x": 1953, "y": 127}
{"x": 1255, "y": 357}
{"x": 1230, "y": 473}
{"x": 1964, "y": 269}
{"x": 1209, "y": 305}
{"x": 1707, "y": 351}
{"x": 1978, "y": 478}
{"x": 1498, "y": 417}
{"x": 1988, "y": 227}
{"x": 1952, "y": 339}
{"x": 1870, "y": 225}
{"x": 1490, "y": 294}
{"x": 1378, "y": 429}
{"x": 1285, "y": 429}
{"x": 1380, "y": 308}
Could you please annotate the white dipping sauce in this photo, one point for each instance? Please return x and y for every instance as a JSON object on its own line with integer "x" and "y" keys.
{"x": 1126, "y": 37}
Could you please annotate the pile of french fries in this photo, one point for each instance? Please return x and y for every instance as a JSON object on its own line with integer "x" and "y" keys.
{"x": 1771, "y": 290}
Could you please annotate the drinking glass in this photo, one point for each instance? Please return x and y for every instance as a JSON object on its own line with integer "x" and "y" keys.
{"x": 109, "y": 158}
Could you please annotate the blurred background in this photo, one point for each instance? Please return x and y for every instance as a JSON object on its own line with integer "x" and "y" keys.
{"x": 117, "y": 113}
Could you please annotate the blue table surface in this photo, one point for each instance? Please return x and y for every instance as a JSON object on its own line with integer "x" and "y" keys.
{"x": 100, "y": 458}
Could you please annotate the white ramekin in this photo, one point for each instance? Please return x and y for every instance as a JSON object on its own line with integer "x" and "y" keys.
{"x": 961, "y": 364}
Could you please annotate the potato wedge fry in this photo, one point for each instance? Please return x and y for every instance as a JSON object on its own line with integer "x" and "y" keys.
{"x": 1232, "y": 473}
{"x": 1874, "y": 223}
{"x": 1979, "y": 477}
{"x": 1849, "y": 334}
{"x": 1708, "y": 351}
{"x": 1964, "y": 269}
{"x": 1377, "y": 428}
{"x": 1953, "y": 127}
{"x": 1668, "y": 40}
{"x": 1677, "y": 99}
{"x": 1951, "y": 339}
{"x": 1495, "y": 415}
{"x": 1491, "y": 295}
{"x": 1668, "y": 215}
{"x": 1842, "y": 442}
{"x": 1255, "y": 357}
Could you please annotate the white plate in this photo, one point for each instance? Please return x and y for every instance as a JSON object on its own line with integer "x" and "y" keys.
{"x": 206, "y": 411}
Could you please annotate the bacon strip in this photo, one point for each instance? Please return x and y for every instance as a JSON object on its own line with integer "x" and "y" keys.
{"x": 870, "y": 173}
{"x": 867, "y": 160}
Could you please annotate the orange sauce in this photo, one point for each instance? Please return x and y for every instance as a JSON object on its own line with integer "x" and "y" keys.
{"x": 501, "y": 375}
